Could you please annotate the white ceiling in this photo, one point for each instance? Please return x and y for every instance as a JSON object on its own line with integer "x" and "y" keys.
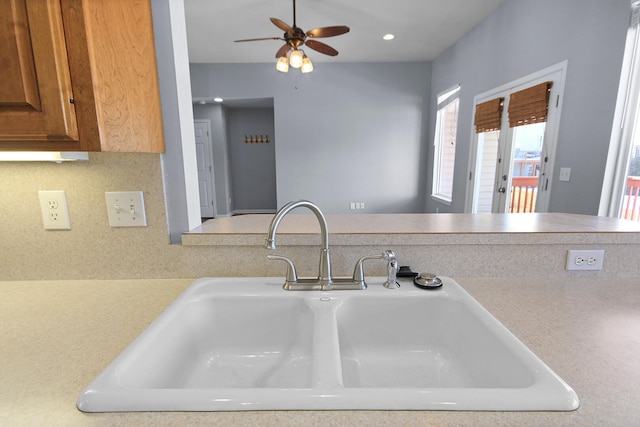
{"x": 423, "y": 28}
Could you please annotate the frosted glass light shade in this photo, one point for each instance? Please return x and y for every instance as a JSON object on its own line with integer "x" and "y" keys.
{"x": 307, "y": 66}
{"x": 282, "y": 65}
{"x": 295, "y": 59}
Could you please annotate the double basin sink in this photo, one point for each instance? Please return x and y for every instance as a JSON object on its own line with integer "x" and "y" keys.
{"x": 234, "y": 344}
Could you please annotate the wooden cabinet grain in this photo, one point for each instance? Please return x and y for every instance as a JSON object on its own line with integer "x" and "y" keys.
{"x": 80, "y": 75}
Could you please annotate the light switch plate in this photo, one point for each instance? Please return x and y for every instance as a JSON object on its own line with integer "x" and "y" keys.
{"x": 565, "y": 174}
{"x": 126, "y": 209}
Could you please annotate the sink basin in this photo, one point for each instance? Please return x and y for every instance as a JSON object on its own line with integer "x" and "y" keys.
{"x": 231, "y": 344}
{"x": 416, "y": 343}
{"x": 227, "y": 342}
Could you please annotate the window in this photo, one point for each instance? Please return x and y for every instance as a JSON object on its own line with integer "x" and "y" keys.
{"x": 620, "y": 195}
{"x": 445, "y": 144}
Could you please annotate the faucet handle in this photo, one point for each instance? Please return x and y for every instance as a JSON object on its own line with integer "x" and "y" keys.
{"x": 358, "y": 272}
{"x": 291, "y": 276}
{"x": 392, "y": 268}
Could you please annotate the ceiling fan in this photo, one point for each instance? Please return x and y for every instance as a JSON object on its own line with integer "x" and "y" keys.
{"x": 294, "y": 38}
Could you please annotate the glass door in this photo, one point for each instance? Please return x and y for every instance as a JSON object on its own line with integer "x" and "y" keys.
{"x": 523, "y": 166}
{"x": 510, "y": 168}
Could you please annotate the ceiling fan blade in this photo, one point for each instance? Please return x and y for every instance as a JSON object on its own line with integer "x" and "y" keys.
{"x": 283, "y": 50}
{"x": 321, "y": 47}
{"x": 328, "y": 31}
{"x": 255, "y": 40}
{"x": 282, "y": 25}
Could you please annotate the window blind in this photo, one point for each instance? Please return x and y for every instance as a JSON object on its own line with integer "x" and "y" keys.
{"x": 488, "y": 115}
{"x": 529, "y": 105}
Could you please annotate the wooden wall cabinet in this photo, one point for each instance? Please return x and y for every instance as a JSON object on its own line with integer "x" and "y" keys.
{"x": 78, "y": 75}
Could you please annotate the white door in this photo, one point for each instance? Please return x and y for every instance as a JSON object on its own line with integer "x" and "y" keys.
{"x": 205, "y": 169}
{"x": 510, "y": 169}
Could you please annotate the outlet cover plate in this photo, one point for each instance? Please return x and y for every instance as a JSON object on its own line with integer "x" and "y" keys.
{"x": 126, "y": 209}
{"x": 55, "y": 213}
{"x": 585, "y": 259}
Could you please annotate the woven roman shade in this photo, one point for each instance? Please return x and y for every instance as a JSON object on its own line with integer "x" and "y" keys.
{"x": 488, "y": 115}
{"x": 530, "y": 105}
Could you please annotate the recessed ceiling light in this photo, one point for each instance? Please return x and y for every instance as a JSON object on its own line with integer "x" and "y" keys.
{"x": 202, "y": 102}
{"x": 388, "y": 37}
{"x": 218, "y": 99}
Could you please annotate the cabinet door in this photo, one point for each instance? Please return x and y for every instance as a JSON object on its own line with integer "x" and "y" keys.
{"x": 36, "y": 99}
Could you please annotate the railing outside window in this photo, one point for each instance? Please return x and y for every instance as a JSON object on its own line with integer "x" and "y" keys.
{"x": 524, "y": 190}
{"x": 631, "y": 201}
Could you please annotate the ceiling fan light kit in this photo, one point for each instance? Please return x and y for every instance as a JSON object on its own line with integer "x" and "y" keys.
{"x": 289, "y": 54}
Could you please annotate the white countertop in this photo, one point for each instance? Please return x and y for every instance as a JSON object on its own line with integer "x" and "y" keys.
{"x": 443, "y": 228}
{"x": 57, "y": 336}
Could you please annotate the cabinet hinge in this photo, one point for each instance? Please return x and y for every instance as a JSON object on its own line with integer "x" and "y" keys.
{"x": 72, "y": 101}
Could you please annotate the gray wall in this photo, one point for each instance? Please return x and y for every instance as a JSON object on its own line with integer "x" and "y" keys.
{"x": 590, "y": 34}
{"x": 345, "y": 133}
{"x": 174, "y": 180}
{"x": 253, "y": 165}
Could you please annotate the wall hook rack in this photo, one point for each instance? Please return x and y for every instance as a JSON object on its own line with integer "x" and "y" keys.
{"x": 251, "y": 139}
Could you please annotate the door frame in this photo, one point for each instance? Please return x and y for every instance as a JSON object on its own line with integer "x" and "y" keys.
{"x": 551, "y": 130}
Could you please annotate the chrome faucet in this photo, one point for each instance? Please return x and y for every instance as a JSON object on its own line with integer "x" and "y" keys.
{"x": 324, "y": 281}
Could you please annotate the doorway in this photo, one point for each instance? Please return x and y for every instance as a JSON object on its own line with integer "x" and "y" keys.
{"x": 236, "y": 163}
{"x": 518, "y": 169}
{"x": 511, "y": 161}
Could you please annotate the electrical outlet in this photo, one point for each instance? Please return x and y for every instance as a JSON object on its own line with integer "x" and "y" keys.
{"x": 55, "y": 213}
{"x": 585, "y": 259}
{"x": 126, "y": 209}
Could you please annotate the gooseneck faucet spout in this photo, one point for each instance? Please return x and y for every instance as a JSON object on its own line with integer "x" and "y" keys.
{"x": 324, "y": 268}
